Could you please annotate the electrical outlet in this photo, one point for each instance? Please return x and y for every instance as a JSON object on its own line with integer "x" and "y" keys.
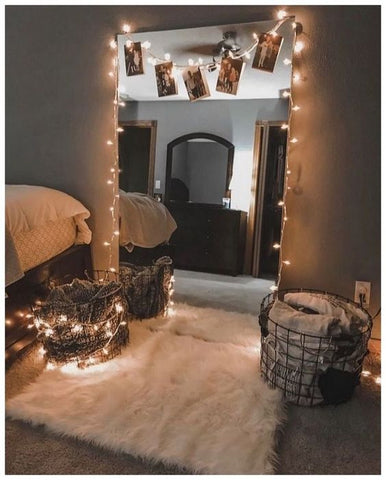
{"x": 362, "y": 293}
{"x": 157, "y": 184}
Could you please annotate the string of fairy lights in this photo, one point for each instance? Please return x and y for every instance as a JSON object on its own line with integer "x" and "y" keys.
{"x": 154, "y": 59}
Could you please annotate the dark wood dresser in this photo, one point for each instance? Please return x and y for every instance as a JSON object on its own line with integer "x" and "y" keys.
{"x": 208, "y": 238}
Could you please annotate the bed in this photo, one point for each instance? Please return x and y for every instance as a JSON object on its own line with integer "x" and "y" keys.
{"x": 146, "y": 226}
{"x": 46, "y": 242}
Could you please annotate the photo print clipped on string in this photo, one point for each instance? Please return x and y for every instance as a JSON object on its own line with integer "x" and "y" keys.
{"x": 195, "y": 83}
{"x": 133, "y": 58}
{"x": 166, "y": 83}
{"x": 267, "y": 51}
{"x": 229, "y": 75}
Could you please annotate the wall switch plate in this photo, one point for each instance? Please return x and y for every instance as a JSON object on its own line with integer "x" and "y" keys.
{"x": 157, "y": 184}
{"x": 362, "y": 289}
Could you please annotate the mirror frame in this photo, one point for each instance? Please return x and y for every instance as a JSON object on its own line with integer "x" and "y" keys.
{"x": 190, "y": 136}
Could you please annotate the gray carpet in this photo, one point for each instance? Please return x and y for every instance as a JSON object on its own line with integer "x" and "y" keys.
{"x": 322, "y": 440}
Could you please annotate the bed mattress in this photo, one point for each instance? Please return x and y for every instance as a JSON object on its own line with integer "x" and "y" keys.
{"x": 45, "y": 242}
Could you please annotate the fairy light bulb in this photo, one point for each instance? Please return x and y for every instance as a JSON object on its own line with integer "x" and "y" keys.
{"x": 287, "y": 61}
{"x": 276, "y": 246}
{"x": 129, "y": 43}
{"x": 294, "y": 140}
{"x": 280, "y": 203}
{"x": 190, "y": 62}
{"x": 113, "y": 44}
{"x": 366, "y": 373}
{"x": 296, "y": 77}
{"x": 109, "y": 182}
{"x": 167, "y": 56}
{"x": 105, "y": 351}
{"x": 286, "y": 94}
{"x": 146, "y": 45}
{"x": 286, "y": 262}
{"x": 284, "y": 126}
{"x": 106, "y": 244}
{"x": 298, "y": 46}
{"x": 281, "y": 14}
{"x": 112, "y": 269}
{"x": 116, "y": 233}
{"x": 112, "y": 170}
{"x": 294, "y": 25}
{"x": 122, "y": 104}
{"x": 200, "y": 61}
{"x": 295, "y": 108}
{"x": 111, "y": 208}
{"x": 120, "y": 129}
{"x": 109, "y": 142}
{"x": 126, "y": 28}
{"x": 111, "y": 74}
{"x": 273, "y": 288}
{"x": 255, "y": 36}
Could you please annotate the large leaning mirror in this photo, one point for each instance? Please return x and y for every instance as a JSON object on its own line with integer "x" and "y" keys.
{"x": 201, "y": 136}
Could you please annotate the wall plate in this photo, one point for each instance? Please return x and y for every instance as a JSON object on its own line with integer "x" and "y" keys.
{"x": 362, "y": 288}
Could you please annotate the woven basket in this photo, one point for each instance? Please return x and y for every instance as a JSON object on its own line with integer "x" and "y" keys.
{"x": 311, "y": 369}
{"x": 147, "y": 287}
{"x": 83, "y": 322}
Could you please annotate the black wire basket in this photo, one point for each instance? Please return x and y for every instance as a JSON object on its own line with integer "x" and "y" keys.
{"x": 147, "y": 288}
{"x": 311, "y": 369}
{"x": 83, "y": 322}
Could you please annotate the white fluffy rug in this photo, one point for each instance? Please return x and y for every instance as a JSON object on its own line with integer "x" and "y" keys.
{"x": 186, "y": 391}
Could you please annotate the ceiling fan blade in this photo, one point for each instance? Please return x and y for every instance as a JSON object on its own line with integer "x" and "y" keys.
{"x": 204, "y": 50}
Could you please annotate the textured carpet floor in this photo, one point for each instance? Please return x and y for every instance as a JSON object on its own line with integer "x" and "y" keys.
{"x": 321, "y": 440}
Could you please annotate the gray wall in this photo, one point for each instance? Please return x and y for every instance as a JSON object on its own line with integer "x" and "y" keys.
{"x": 58, "y": 115}
{"x": 233, "y": 120}
{"x": 333, "y": 236}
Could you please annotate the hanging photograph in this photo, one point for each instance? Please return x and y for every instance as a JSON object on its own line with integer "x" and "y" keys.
{"x": 195, "y": 83}
{"x": 229, "y": 75}
{"x": 166, "y": 83}
{"x": 267, "y": 52}
{"x": 133, "y": 59}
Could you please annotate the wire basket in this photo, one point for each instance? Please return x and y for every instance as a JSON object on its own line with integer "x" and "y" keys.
{"x": 84, "y": 321}
{"x": 148, "y": 288}
{"x": 311, "y": 369}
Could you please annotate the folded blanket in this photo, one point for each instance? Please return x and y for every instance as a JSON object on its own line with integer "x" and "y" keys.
{"x": 317, "y": 324}
{"x": 144, "y": 221}
{"x": 351, "y": 319}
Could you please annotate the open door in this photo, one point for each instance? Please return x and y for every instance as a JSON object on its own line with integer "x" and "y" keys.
{"x": 270, "y": 163}
{"x": 137, "y": 156}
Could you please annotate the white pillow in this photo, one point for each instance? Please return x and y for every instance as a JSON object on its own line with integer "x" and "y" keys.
{"x": 29, "y": 206}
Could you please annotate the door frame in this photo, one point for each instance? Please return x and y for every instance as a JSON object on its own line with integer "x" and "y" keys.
{"x": 152, "y": 124}
{"x": 255, "y": 217}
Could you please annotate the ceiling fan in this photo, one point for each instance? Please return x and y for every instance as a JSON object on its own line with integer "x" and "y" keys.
{"x": 227, "y": 44}
{"x": 222, "y": 48}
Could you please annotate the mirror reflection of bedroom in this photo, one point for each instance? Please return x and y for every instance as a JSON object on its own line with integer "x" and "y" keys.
{"x": 204, "y": 177}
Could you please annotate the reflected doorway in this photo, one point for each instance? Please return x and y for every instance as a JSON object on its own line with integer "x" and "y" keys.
{"x": 137, "y": 144}
{"x": 272, "y": 151}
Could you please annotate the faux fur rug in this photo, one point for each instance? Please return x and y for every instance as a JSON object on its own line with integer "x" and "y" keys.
{"x": 186, "y": 391}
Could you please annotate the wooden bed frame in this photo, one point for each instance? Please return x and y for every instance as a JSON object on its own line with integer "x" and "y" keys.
{"x": 34, "y": 286}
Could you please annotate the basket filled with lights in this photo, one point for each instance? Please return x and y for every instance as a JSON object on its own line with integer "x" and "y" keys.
{"x": 148, "y": 288}
{"x": 84, "y": 321}
{"x": 313, "y": 345}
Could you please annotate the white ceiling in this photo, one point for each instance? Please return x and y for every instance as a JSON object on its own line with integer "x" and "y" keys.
{"x": 191, "y": 43}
